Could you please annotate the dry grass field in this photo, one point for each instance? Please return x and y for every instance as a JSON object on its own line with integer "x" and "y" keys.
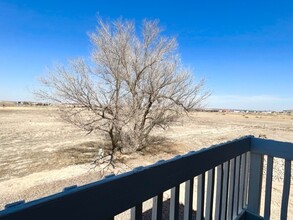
{"x": 40, "y": 154}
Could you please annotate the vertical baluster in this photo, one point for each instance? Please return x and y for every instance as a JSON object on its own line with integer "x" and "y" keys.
{"x": 225, "y": 190}
{"x": 210, "y": 194}
{"x": 246, "y": 181}
{"x": 268, "y": 191}
{"x": 286, "y": 189}
{"x": 231, "y": 189}
{"x": 242, "y": 182}
{"x": 136, "y": 212}
{"x": 188, "y": 199}
{"x": 157, "y": 207}
{"x": 200, "y": 197}
{"x": 174, "y": 203}
{"x": 219, "y": 192}
{"x": 236, "y": 188}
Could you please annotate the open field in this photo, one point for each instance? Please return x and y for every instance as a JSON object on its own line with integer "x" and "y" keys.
{"x": 40, "y": 154}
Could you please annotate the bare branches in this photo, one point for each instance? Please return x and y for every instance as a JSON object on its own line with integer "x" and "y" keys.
{"x": 133, "y": 84}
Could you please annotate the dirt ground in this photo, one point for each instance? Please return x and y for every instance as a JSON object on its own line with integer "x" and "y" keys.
{"x": 40, "y": 154}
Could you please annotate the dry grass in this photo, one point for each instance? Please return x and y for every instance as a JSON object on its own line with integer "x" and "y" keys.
{"x": 39, "y": 154}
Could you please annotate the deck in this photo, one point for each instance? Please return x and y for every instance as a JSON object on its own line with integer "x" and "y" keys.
{"x": 228, "y": 186}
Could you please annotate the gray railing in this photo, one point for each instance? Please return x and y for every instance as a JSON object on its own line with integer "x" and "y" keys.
{"x": 270, "y": 149}
{"x": 222, "y": 173}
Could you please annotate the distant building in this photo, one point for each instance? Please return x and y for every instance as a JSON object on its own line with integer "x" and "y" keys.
{"x": 224, "y": 110}
{"x": 288, "y": 111}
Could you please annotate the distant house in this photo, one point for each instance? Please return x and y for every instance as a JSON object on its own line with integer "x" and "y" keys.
{"x": 224, "y": 110}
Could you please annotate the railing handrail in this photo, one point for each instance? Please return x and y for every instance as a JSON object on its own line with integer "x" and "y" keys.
{"x": 111, "y": 196}
{"x": 272, "y": 148}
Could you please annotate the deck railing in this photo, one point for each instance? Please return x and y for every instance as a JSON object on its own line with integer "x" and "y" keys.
{"x": 271, "y": 149}
{"x": 228, "y": 181}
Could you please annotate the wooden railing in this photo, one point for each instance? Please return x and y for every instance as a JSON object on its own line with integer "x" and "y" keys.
{"x": 222, "y": 174}
{"x": 270, "y": 149}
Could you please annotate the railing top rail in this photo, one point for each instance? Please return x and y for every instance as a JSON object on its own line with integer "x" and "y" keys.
{"x": 272, "y": 148}
{"x": 110, "y": 196}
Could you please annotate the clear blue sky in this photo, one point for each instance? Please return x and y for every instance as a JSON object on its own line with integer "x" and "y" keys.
{"x": 244, "y": 49}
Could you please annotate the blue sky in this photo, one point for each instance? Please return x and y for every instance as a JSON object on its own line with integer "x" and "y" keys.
{"x": 244, "y": 49}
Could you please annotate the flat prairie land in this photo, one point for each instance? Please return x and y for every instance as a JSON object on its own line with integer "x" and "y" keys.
{"x": 40, "y": 154}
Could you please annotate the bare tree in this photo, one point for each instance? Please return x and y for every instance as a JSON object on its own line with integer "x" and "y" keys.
{"x": 133, "y": 84}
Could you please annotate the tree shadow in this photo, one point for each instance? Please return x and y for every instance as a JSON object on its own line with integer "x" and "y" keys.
{"x": 147, "y": 215}
{"x": 80, "y": 153}
{"x": 160, "y": 144}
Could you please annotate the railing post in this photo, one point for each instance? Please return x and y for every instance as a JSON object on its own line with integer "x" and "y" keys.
{"x": 255, "y": 183}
